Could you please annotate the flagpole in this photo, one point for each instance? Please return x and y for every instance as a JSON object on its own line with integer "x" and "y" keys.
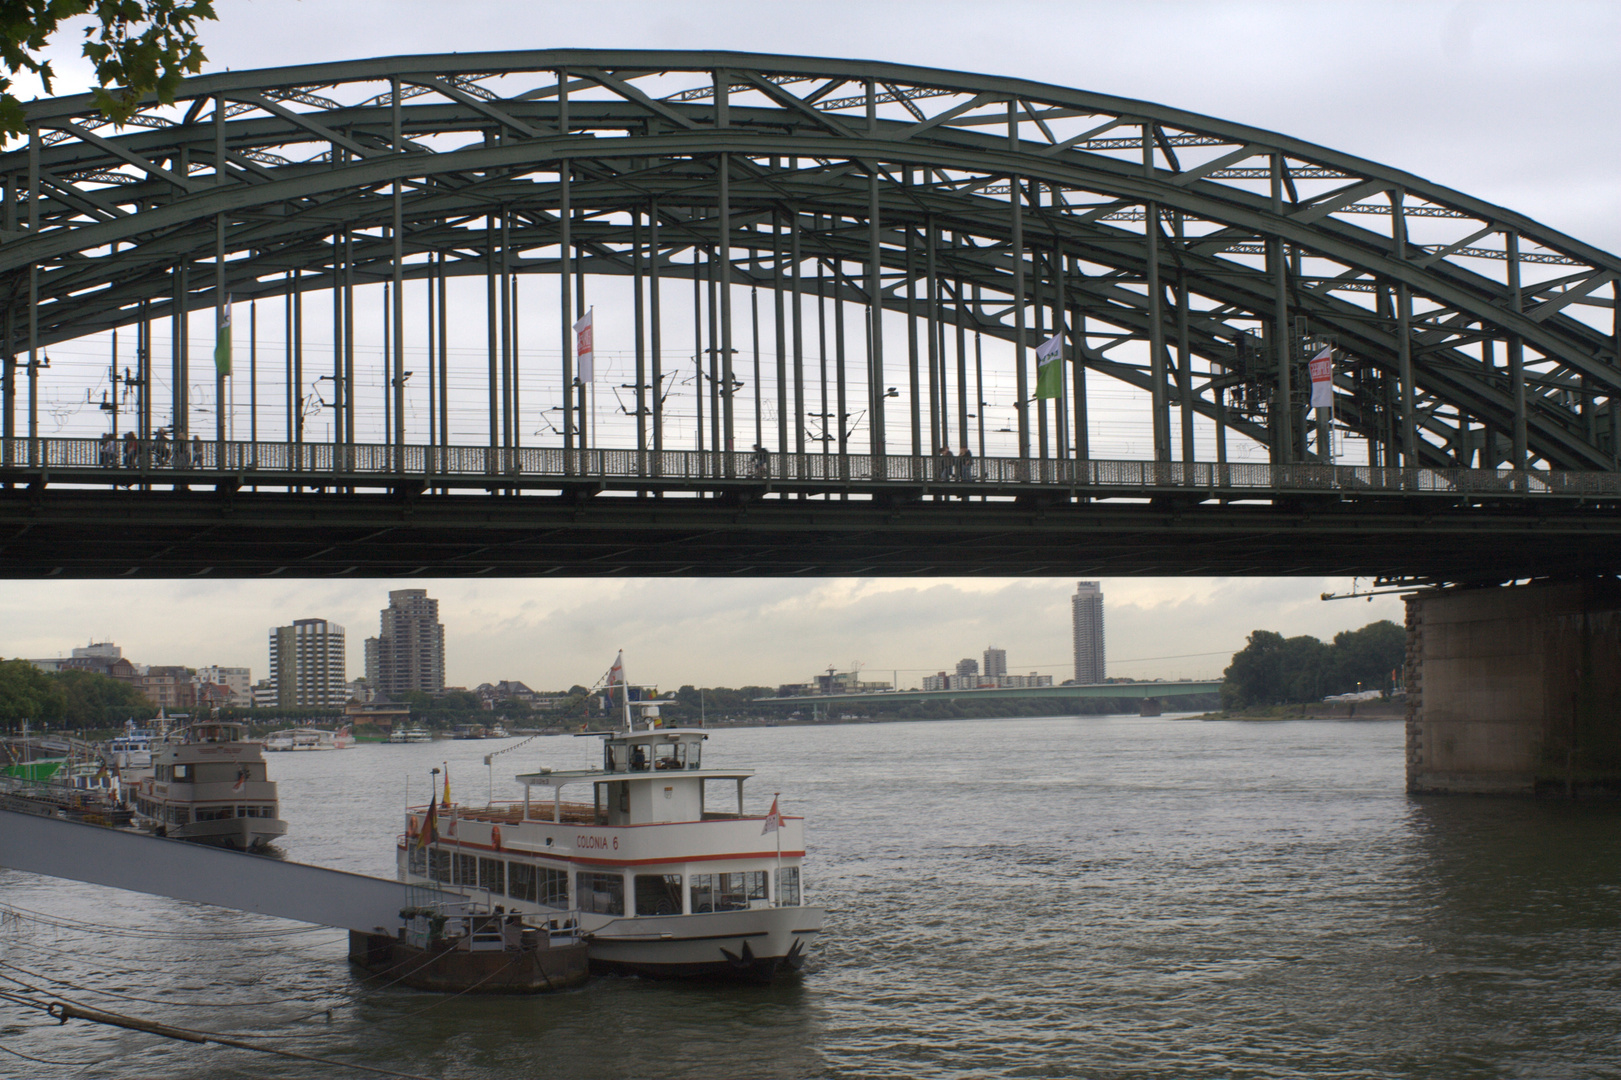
{"x": 776, "y": 886}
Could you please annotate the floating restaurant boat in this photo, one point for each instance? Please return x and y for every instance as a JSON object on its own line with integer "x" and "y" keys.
{"x": 209, "y": 784}
{"x": 657, "y": 877}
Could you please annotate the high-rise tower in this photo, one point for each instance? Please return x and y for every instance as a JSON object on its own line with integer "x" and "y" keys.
{"x": 1087, "y": 605}
{"x": 307, "y": 664}
{"x": 411, "y": 647}
{"x": 995, "y": 662}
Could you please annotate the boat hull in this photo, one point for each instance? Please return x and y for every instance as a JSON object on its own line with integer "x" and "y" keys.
{"x": 754, "y": 945}
{"x": 444, "y": 969}
{"x": 242, "y": 833}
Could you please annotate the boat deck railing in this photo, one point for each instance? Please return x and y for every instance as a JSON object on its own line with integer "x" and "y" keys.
{"x": 574, "y": 813}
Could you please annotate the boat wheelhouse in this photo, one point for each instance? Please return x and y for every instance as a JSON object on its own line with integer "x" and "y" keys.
{"x": 663, "y": 871}
{"x": 209, "y": 784}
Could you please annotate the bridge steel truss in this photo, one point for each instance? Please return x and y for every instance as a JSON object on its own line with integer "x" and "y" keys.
{"x": 1200, "y": 261}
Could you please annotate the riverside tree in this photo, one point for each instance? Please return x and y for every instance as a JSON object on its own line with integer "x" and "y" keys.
{"x": 1274, "y": 670}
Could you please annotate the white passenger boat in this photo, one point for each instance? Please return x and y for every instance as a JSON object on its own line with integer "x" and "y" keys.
{"x": 131, "y": 751}
{"x": 306, "y": 738}
{"x": 661, "y": 877}
{"x": 416, "y": 734}
{"x": 209, "y": 784}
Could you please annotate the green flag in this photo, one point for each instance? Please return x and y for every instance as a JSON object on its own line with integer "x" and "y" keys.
{"x": 1050, "y": 367}
{"x": 222, "y": 341}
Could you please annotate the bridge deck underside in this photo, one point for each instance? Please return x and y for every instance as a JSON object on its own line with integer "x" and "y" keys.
{"x": 62, "y": 532}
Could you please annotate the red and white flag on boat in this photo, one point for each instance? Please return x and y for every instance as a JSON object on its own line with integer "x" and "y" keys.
{"x": 584, "y": 350}
{"x": 616, "y": 674}
{"x": 773, "y": 820}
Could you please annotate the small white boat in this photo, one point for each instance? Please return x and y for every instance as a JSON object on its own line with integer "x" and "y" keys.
{"x": 309, "y": 739}
{"x": 209, "y": 784}
{"x": 131, "y": 750}
{"x": 416, "y": 734}
{"x": 657, "y": 880}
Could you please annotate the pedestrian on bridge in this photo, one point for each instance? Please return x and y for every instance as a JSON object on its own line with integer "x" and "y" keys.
{"x": 132, "y": 450}
{"x": 945, "y": 465}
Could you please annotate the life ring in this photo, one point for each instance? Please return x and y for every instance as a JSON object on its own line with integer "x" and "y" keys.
{"x": 410, "y": 827}
{"x": 495, "y": 836}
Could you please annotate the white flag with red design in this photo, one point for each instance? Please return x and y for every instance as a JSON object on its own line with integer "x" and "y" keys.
{"x": 773, "y": 820}
{"x": 584, "y": 351}
{"x": 1322, "y": 380}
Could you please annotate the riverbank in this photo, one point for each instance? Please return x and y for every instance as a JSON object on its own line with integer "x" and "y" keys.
{"x": 1394, "y": 709}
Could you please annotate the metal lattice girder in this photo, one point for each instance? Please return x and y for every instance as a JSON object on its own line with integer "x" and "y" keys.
{"x": 97, "y": 220}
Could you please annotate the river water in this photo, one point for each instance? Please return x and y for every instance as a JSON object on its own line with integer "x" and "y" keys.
{"x": 1090, "y": 897}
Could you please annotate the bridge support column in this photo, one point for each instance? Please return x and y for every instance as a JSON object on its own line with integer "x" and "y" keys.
{"x": 1515, "y": 691}
{"x": 1151, "y": 706}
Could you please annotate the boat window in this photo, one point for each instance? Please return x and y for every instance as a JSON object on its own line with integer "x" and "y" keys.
{"x": 537, "y": 884}
{"x": 638, "y": 758}
{"x": 163, "y": 773}
{"x": 521, "y": 881}
{"x": 670, "y": 756}
{"x": 214, "y": 813}
{"x": 439, "y": 864}
{"x": 492, "y": 875}
{"x": 416, "y": 858}
{"x": 788, "y": 886}
{"x": 466, "y": 870}
{"x": 182, "y": 774}
{"x": 727, "y": 892}
{"x": 603, "y": 894}
{"x": 658, "y": 894}
{"x": 553, "y": 888}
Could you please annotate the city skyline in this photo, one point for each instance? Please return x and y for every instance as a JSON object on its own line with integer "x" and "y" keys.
{"x": 553, "y": 634}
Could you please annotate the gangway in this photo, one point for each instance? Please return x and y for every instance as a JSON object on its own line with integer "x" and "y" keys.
{"x": 182, "y": 870}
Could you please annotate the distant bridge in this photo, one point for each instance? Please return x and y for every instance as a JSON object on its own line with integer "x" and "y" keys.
{"x": 1140, "y": 691}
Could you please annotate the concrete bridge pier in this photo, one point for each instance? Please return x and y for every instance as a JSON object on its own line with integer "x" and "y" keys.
{"x": 1515, "y": 690}
{"x": 1151, "y": 706}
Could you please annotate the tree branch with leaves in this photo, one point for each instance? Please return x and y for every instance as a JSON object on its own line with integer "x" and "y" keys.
{"x": 138, "y": 47}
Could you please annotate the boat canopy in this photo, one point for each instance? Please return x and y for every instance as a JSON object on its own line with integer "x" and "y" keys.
{"x": 641, "y": 755}
{"x": 215, "y": 731}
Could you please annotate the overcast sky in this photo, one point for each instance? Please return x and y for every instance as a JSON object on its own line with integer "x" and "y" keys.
{"x": 1518, "y": 104}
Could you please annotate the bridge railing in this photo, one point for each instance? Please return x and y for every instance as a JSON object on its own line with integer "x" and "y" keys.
{"x": 109, "y": 461}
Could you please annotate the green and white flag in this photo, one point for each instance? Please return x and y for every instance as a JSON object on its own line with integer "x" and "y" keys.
{"x": 222, "y": 341}
{"x": 1050, "y": 367}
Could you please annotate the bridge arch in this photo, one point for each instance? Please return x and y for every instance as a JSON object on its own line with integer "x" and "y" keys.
{"x": 1198, "y": 261}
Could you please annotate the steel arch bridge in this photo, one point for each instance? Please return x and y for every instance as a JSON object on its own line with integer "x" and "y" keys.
{"x": 918, "y": 234}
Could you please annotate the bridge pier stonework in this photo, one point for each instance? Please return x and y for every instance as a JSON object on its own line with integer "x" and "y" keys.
{"x": 1515, "y": 690}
